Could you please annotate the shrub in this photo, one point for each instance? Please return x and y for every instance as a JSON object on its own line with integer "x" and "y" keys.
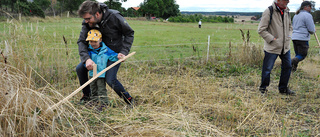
{"x": 30, "y": 9}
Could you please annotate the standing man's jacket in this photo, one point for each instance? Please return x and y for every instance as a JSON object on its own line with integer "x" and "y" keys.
{"x": 279, "y": 28}
{"x": 116, "y": 33}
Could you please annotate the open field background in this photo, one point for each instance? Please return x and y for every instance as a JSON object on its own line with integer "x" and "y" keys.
{"x": 179, "y": 91}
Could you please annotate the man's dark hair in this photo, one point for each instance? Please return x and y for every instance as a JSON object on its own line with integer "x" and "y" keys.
{"x": 90, "y": 7}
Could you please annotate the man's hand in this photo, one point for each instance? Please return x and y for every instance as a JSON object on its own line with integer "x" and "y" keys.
{"x": 89, "y": 64}
{"x": 120, "y": 56}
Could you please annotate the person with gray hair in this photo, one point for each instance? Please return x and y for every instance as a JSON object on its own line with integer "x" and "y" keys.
{"x": 116, "y": 33}
{"x": 276, "y": 32}
{"x": 303, "y": 26}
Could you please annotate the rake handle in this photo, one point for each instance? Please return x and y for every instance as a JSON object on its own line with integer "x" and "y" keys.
{"x": 315, "y": 35}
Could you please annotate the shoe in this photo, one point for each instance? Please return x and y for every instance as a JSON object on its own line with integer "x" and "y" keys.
{"x": 101, "y": 107}
{"x": 287, "y": 91}
{"x": 131, "y": 103}
{"x": 294, "y": 64}
{"x": 294, "y": 68}
{"x": 84, "y": 100}
{"x": 91, "y": 104}
{"x": 263, "y": 90}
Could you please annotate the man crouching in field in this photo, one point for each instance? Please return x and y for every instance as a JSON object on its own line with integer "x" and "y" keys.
{"x": 116, "y": 33}
{"x": 276, "y": 29}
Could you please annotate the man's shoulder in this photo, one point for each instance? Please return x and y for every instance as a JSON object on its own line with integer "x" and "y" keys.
{"x": 110, "y": 13}
{"x": 113, "y": 11}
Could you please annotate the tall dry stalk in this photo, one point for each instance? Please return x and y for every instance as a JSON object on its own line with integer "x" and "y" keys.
{"x": 250, "y": 54}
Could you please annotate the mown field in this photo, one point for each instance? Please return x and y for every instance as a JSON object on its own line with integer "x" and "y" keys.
{"x": 181, "y": 87}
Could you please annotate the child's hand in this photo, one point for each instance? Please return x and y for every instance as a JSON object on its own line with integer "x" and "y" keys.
{"x": 89, "y": 64}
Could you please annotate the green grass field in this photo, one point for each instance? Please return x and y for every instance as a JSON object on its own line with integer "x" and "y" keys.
{"x": 179, "y": 91}
{"x": 148, "y": 35}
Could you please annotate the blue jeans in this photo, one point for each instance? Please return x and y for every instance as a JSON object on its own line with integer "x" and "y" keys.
{"x": 113, "y": 82}
{"x": 111, "y": 79}
{"x": 268, "y": 63}
{"x": 82, "y": 73}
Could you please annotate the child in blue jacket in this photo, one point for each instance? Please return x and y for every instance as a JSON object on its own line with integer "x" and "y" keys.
{"x": 100, "y": 54}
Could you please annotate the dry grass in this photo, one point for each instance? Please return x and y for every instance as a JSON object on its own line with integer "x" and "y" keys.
{"x": 311, "y": 67}
{"x": 22, "y": 108}
{"x": 248, "y": 53}
{"x": 171, "y": 101}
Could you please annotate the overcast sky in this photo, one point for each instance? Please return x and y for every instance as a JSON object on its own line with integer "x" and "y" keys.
{"x": 223, "y": 5}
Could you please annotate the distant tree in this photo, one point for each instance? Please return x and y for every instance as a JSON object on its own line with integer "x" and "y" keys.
{"x": 197, "y": 17}
{"x": 29, "y": 9}
{"x": 160, "y": 8}
{"x": 36, "y": 10}
{"x": 170, "y": 9}
{"x": 11, "y": 4}
{"x": 44, "y": 4}
{"x": 130, "y": 12}
{"x": 151, "y": 7}
{"x": 315, "y": 13}
{"x": 117, "y": 6}
{"x": 70, "y": 5}
{"x": 316, "y": 16}
{"x": 21, "y": 7}
{"x": 52, "y": 5}
{"x": 112, "y": 2}
{"x": 313, "y": 6}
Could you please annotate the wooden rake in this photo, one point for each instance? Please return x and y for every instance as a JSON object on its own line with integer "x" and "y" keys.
{"x": 315, "y": 35}
{"x": 88, "y": 82}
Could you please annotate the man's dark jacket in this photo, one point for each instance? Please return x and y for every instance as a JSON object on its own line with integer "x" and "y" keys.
{"x": 116, "y": 33}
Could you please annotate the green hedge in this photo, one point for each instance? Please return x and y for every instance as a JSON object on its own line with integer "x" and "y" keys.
{"x": 29, "y": 9}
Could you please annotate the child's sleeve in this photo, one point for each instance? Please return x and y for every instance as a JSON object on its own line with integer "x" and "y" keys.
{"x": 112, "y": 56}
{"x": 89, "y": 52}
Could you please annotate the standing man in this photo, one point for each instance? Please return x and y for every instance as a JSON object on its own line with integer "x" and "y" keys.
{"x": 275, "y": 28}
{"x": 200, "y": 23}
{"x": 303, "y": 26}
{"x": 116, "y": 33}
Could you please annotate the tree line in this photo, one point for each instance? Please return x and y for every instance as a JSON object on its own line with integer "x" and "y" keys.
{"x": 39, "y": 7}
{"x": 163, "y": 9}
{"x": 198, "y": 17}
